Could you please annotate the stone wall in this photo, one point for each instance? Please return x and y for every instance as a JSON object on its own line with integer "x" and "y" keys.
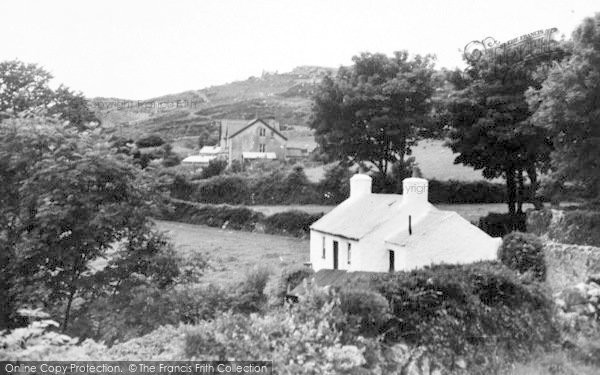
{"x": 570, "y": 264}
{"x": 581, "y": 227}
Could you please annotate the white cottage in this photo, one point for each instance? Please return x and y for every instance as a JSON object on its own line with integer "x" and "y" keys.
{"x": 392, "y": 232}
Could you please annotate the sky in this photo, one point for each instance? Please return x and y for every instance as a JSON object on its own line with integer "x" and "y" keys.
{"x": 143, "y": 49}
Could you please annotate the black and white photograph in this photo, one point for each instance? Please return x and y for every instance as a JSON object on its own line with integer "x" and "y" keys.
{"x": 300, "y": 187}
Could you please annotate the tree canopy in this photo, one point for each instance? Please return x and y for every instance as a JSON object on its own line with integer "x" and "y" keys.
{"x": 490, "y": 121}
{"x": 371, "y": 111}
{"x": 65, "y": 203}
{"x": 25, "y": 88}
{"x": 568, "y": 106}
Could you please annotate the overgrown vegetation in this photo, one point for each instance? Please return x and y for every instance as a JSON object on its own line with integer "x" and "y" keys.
{"x": 523, "y": 252}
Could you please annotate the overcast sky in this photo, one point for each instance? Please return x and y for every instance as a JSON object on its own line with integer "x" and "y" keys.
{"x": 142, "y": 49}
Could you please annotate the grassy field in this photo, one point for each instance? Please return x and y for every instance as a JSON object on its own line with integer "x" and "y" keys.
{"x": 435, "y": 160}
{"x": 232, "y": 254}
{"x": 471, "y": 212}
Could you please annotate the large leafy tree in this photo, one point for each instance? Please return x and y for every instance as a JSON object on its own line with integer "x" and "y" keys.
{"x": 568, "y": 106}
{"x": 371, "y": 111}
{"x": 66, "y": 204}
{"x": 25, "y": 88}
{"x": 490, "y": 121}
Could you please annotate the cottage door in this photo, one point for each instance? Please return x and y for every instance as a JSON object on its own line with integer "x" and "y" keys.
{"x": 392, "y": 261}
{"x": 335, "y": 255}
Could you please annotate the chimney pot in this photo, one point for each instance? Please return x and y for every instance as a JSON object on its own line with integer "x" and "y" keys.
{"x": 360, "y": 184}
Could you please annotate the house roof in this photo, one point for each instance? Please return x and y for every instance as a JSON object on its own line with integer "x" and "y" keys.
{"x": 259, "y": 155}
{"x": 438, "y": 233}
{"x": 251, "y": 123}
{"x": 198, "y": 159}
{"x": 210, "y": 150}
{"x": 354, "y": 218}
{"x": 229, "y": 127}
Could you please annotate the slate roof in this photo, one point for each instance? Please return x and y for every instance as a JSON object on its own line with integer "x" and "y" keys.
{"x": 355, "y": 218}
{"x": 252, "y": 122}
{"x": 229, "y": 127}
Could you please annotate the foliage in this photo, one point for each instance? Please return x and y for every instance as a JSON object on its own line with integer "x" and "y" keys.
{"x": 250, "y": 294}
{"x": 335, "y": 185}
{"x": 523, "y": 252}
{"x": 369, "y": 311}
{"x": 568, "y": 105}
{"x": 278, "y": 286}
{"x": 66, "y": 203}
{"x": 40, "y": 342}
{"x": 490, "y": 121}
{"x": 170, "y": 159}
{"x": 371, "y": 111}
{"x": 471, "y": 311}
{"x": 25, "y": 88}
{"x": 578, "y": 226}
{"x": 300, "y": 339}
{"x": 294, "y": 222}
{"x": 152, "y": 140}
{"x": 214, "y": 168}
{"x": 498, "y": 225}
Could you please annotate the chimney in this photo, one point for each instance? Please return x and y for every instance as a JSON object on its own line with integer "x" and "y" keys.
{"x": 415, "y": 191}
{"x": 360, "y": 184}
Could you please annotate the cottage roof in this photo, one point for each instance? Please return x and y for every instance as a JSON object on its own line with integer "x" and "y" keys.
{"x": 440, "y": 232}
{"x": 355, "y": 218}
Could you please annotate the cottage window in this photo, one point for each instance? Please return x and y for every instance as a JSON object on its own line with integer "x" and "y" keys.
{"x": 272, "y": 134}
{"x": 349, "y": 252}
{"x": 261, "y": 147}
{"x": 261, "y": 132}
{"x": 323, "y": 256}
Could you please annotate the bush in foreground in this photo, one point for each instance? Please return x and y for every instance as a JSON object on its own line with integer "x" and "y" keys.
{"x": 523, "y": 252}
{"x": 468, "y": 311}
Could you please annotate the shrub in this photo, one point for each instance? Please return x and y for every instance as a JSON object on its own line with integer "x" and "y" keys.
{"x": 294, "y": 222}
{"x": 367, "y": 310}
{"x": 250, "y": 296}
{"x": 152, "y": 140}
{"x": 214, "y": 168}
{"x": 481, "y": 308}
{"x": 277, "y": 287}
{"x": 499, "y": 225}
{"x": 335, "y": 185}
{"x": 223, "y": 189}
{"x": 523, "y": 252}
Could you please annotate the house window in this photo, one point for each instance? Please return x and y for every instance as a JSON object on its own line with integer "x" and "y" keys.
{"x": 261, "y": 147}
{"x": 323, "y": 256}
{"x": 262, "y": 132}
{"x": 349, "y": 252}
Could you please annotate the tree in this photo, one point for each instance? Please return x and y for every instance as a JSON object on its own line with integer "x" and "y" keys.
{"x": 490, "y": 122}
{"x": 73, "y": 107}
{"x": 371, "y": 111}
{"x": 25, "y": 87}
{"x": 66, "y": 204}
{"x": 568, "y": 106}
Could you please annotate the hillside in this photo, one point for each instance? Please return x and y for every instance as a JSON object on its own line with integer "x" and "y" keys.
{"x": 285, "y": 96}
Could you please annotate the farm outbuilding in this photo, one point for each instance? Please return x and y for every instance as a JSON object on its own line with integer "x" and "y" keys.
{"x": 393, "y": 232}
